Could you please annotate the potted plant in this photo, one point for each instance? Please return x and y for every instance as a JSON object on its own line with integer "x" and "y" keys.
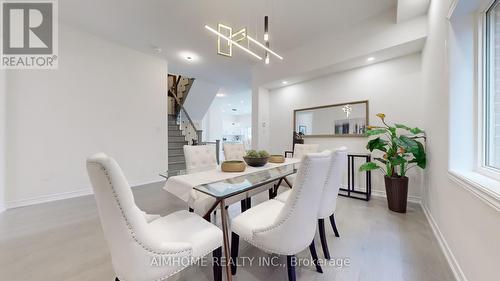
{"x": 402, "y": 150}
{"x": 256, "y": 158}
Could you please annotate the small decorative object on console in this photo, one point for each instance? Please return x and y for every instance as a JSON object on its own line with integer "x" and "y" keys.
{"x": 233, "y": 166}
{"x": 276, "y": 159}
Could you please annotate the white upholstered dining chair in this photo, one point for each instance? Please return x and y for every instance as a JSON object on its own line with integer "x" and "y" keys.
{"x": 286, "y": 228}
{"x": 328, "y": 204}
{"x": 201, "y": 158}
{"x": 147, "y": 247}
{"x": 234, "y": 151}
{"x": 299, "y": 151}
{"x": 302, "y": 149}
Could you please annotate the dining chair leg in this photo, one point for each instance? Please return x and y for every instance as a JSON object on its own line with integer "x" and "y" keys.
{"x": 314, "y": 256}
{"x": 116, "y": 279}
{"x": 235, "y": 244}
{"x": 217, "y": 264}
{"x": 334, "y": 226}
{"x": 249, "y": 203}
{"x": 243, "y": 205}
{"x": 290, "y": 265}
{"x": 271, "y": 193}
{"x": 207, "y": 217}
{"x": 322, "y": 236}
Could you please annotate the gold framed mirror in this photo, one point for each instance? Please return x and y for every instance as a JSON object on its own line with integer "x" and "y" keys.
{"x": 336, "y": 120}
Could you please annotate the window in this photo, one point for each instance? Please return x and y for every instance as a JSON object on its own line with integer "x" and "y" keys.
{"x": 491, "y": 88}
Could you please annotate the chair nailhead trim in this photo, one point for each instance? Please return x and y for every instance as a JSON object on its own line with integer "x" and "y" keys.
{"x": 307, "y": 169}
{"x": 115, "y": 195}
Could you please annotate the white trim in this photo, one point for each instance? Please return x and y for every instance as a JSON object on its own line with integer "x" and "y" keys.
{"x": 47, "y": 198}
{"x": 2, "y": 208}
{"x": 61, "y": 196}
{"x": 411, "y": 198}
{"x": 135, "y": 184}
{"x": 479, "y": 80}
{"x": 445, "y": 248}
{"x": 453, "y": 6}
{"x": 478, "y": 185}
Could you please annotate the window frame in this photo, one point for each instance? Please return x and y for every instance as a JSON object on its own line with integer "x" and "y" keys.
{"x": 483, "y": 78}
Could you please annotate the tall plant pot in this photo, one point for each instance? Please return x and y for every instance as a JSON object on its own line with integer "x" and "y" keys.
{"x": 397, "y": 193}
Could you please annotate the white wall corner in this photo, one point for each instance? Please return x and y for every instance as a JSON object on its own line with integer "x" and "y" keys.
{"x": 445, "y": 248}
{"x": 410, "y": 9}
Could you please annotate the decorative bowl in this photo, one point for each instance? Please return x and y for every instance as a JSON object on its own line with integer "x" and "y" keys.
{"x": 256, "y": 161}
{"x": 276, "y": 159}
{"x": 233, "y": 166}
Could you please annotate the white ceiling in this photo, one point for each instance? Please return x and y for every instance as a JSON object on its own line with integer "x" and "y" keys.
{"x": 177, "y": 26}
{"x": 234, "y": 104}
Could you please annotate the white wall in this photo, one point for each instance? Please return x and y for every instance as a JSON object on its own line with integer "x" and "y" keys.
{"x": 260, "y": 117}
{"x": 377, "y": 35}
{"x": 219, "y": 120}
{"x": 369, "y": 36}
{"x": 103, "y": 97}
{"x": 3, "y": 93}
{"x": 392, "y": 87}
{"x": 199, "y": 98}
{"x": 469, "y": 228}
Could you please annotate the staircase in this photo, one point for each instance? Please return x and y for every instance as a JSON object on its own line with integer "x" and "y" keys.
{"x": 176, "y": 141}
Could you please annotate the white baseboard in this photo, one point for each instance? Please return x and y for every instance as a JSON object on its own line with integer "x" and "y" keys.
{"x": 62, "y": 196}
{"x": 47, "y": 198}
{"x": 146, "y": 182}
{"x": 455, "y": 267}
{"x": 452, "y": 261}
{"x": 381, "y": 193}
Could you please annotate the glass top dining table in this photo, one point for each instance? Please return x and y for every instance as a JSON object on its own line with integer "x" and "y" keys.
{"x": 240, "y": 183}
{"x": 225, "y": 188}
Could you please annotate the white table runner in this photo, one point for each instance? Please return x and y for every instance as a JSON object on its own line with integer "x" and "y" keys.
{"x": 182, "y": 185}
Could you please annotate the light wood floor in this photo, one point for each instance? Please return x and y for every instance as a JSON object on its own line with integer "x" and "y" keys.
{"x": 63, "y": 241}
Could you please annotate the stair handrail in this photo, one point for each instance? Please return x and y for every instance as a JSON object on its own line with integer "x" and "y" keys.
{"x": 217, "y": 148}
{"x": 198, "y": 132}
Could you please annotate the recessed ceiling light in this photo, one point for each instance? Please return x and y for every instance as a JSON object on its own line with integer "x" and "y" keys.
{"x": 157, "y": 50}
{"x": 189, "y": 56}
{"x": 284, "y": 82}
{"x": 220, "y": 95}
{"x": 370, "y": 59}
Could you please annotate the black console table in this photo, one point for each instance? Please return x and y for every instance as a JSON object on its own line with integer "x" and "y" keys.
{"x": 351, "y": 191}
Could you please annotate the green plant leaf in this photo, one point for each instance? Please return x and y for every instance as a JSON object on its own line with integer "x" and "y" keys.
{"x": 420, "y": 157}
{"x": 375, "y": 132}
{"x": 416, "y": 131}
{"x": 369, "y": 166}
{"x": 377, "y": 143}
{"x": 401, "y": 126}
{"x": 380, "y": 160}
{"x": 408, "y": 144}
{"x": 392, "y": 130}
{"x": 398, "y": 160}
